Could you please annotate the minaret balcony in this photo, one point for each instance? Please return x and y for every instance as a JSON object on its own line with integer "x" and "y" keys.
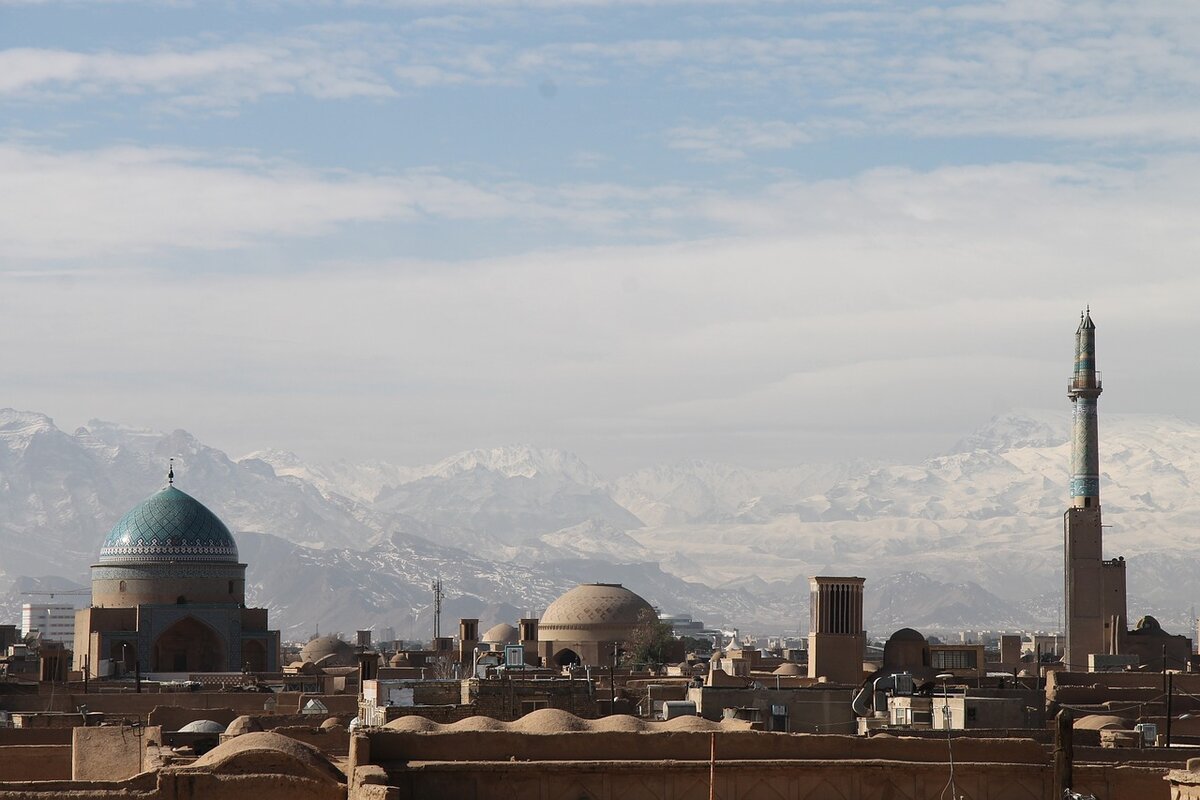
{"x": 1085, "y": 382}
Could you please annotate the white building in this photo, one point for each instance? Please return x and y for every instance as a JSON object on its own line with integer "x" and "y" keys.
{"x": 55, "y": 623}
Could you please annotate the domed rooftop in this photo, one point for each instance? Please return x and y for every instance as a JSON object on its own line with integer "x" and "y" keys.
{"x": 202, "y": 726}
{"x": 501, "y": 633}
{"x": 593, "y": 612}
{"x": 907, "y": 635}
{"x": 329, "y": 651}
{"x": 170, "y": 525}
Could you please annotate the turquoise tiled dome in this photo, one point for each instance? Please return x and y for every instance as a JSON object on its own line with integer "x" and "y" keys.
{"x": 170, "y": 525}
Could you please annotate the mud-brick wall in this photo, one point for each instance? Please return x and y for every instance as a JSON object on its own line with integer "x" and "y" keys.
{"x": 114, "y": 753}
{"x": 502, "y": 699}
{"x": 746, "y": 780}
{"x": 388, "y": 746}
{"x": 35, "y": 762}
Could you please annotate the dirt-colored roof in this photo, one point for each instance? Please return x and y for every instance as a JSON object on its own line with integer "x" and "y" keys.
{"x": 618, "y": 722}
{"x": 263, "y": 752}
{"x": 476, "y": 724}
{"x": 412, "y": 723}
{"x": 549, "y": 720}
{"x": 242, "y": 725}
{"x": 688, "y": 724}
{"x": 1102, "y": 722}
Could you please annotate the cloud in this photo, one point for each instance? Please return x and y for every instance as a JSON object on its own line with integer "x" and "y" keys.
{"x": 894, "y": 301}
{"x": 1102, "y": 71}
{"x": 134, "y": 200}
{"x": 214, "y": 77}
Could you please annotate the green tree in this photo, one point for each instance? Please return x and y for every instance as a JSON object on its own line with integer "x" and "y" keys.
{"x": 650, "y": 642}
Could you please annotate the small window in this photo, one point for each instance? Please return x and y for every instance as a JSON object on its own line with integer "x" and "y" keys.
{"x": 231, "y": 587}
{"x": 181, "y": 601}
{"x": 122, "y": 586}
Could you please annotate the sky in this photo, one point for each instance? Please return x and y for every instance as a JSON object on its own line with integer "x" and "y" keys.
{"x": 761, "y": 232}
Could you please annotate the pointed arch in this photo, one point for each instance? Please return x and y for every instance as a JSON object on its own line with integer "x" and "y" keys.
{"x": 566, "y": 657}
{"x": 189, "y": 645}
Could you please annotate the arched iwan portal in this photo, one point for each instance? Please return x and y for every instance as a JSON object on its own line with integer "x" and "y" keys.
{"x": 254, "y": 656}
{"x": 189, "y": 646}
{"x": 566, "y": 657}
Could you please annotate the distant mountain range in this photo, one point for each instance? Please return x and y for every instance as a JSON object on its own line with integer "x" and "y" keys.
{"x": 966, "y": 539}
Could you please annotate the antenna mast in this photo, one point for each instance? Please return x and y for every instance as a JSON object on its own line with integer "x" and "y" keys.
{"x": 437, "y": 607}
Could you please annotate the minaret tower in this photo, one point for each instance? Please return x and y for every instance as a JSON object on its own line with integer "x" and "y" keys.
{"x": 1084, "y": 390}
{"x": 1094, "y": 589}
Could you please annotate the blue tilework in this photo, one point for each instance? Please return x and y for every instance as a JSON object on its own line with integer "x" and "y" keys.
{"x": 170, "y": 525}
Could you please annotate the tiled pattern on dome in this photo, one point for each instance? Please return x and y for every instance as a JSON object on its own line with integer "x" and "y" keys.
{"x": 169, "y": 526}
{"x": 592, "y": 604}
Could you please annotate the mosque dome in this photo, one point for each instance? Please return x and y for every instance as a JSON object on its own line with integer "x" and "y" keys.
{"x": 329, "y": 651}
{"x": 501, "y": 633}
{"x": 170, "y": 525}
{"x": 594, "y": 612}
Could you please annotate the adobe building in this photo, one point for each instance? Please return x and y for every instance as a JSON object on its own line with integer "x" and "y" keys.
{"x": 169, "y": 596}
{"x": 837, "y": 642}
{"x": 586, "y": 624}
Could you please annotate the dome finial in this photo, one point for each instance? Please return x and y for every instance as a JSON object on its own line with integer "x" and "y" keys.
{"x": 171, "y": 473}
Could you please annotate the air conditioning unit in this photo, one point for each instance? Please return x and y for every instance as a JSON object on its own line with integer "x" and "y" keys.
{"x": 1149, "y": 732}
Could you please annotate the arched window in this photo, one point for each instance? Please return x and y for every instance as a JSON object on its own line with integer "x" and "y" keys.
{"x": 231, "y": 587}
{"x": 122, "y": 586}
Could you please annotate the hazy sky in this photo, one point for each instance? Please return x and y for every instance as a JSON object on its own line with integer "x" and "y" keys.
{"x": 765, "y": 232}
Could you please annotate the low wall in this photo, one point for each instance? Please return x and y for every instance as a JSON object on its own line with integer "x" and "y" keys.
{"x": 11, "y": 736}
{"x": 171, "y": 785}
{"x": 35, "y": 762}
{"x": 746, "y": 780}
{"x": 395, "y": 746}
{"x": 131, "y": 704}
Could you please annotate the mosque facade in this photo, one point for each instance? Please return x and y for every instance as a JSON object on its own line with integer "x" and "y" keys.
{"x": 169, "y": 596}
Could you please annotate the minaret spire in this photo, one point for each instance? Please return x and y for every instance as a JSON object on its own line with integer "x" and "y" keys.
{"x": 1084, "y": 390}
{"x": 171, "y": 473}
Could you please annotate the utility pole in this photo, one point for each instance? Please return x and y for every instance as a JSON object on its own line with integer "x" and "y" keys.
{"x": 1170, "y": 687}
{"x": 1164, "y": 669}
{"x": 612, "y": 682}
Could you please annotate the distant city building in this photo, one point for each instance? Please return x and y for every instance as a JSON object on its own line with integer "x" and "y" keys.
{"x": 55, "y": 622}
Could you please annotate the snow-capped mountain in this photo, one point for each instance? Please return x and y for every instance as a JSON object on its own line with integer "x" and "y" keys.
{"x": 968, "y": 537}
{"x": 490, "y": 500}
